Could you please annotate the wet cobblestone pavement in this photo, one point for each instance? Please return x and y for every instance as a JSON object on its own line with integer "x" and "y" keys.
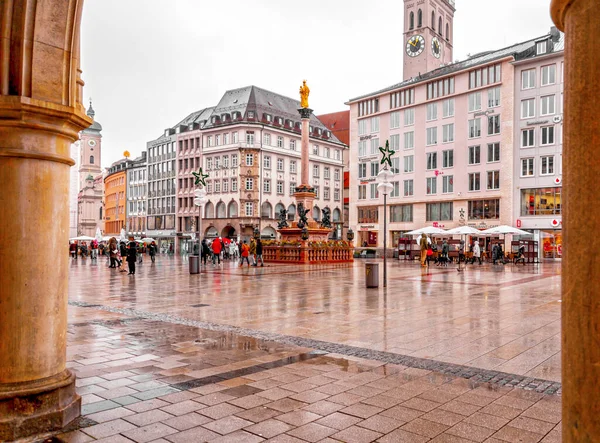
{"x": 292, "y": 355}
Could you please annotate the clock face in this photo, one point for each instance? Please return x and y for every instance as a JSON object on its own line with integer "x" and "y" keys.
{"x": 436, "y": 47}
{"x": 92, "y": 143}
{"x": 415, "y": 45}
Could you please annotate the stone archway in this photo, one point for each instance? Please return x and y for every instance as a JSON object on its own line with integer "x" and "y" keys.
{"x": 228, "y": 232}
{"x": 221, "y": 210}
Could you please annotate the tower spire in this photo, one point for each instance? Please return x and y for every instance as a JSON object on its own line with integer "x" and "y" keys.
{"x": 90, "y": 111}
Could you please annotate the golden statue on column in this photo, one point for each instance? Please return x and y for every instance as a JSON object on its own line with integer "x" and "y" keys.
{"x": 304, "y": 91}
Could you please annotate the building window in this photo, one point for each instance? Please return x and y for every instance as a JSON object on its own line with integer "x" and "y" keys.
{"x": 234, "y": 185}
{"x": 336, "y": 195}
{"x": 448, "y": 158}
{"x": 225, "y": 162}
{"x": 368, "y": 107}
{"x": 547, "y": 135}
{"x": 395, "y": 142}
{"x": 541, "y": 201}
{"x": 225, "y": 186}
{"x": 475, "y": 128}
{"x": 401, "y": 214}
{"x": 547, "y": 165}
{"x": 209, "y": 141}
{"x": 432, "y": 111}
{"x": 528, "y": 138}
{"x": 316, "y": 171}
{"x": 448, "y": 133}
{"x": 474, "y": 181}
{"x": 547, "y": 105}
{"x": 419, "y": 18}
{"x": 267, "y": 186}
{"x": 493, "y": 152}
{"x": 374, "y": 146}
{"x": 217, "y": 186}
{"x": 527, "y": 167}
{"x": 315, "y": 149}
{"x": 234, "y": 137}
{"x": 217, "y": 162}
{"x": 438, "y": 211}
{"x": 250, "y": 138}
{"x": 337, "y": 154}
{"x": 234, "y": 160}
{"x": 474, "y": 155}
{"x": 494, "y": 97}
{"x": 292, "y": 188}
{"x": 493, "y": 180}
{"x": 431, "y": 161}
{"x": 395, "y": 192}
{"x": 362, "y": 127}
{"x": 374, "y": 191}
{"x": 374, "y": 169}
{"x": 431, "y": 185}
{"x": 448, "y": 108}
{"x": 431, "y": 136}
{"x": 91, "y": 159}
{"x": 408, "y": 188}
{"x": 217, "y": 140}
{"x": 362, "y": 148}
{"x": 249, "y": 206}
{"x": 326, "y": 152}
{"x": 394, "y": 120}
{"x": 411, "y": 20}
{"x": 279, "y": 141}
{"x": 395, "y": 168}
{"x": 484, "y": 209}
{"x": 267, "y": 139}
{"x": 362, "y": 192}
{"x": 405, "y": 97}
{"x": 540, "y": 47}
{"x": 280, "y": 187}
{"x": 209, "y": 163}
{"x": 528, "y": 79}
{"x": 409, "y": 163}
{"x": 374, "y": 124}
{"x": 447, "y": 184}
{"x": 280, "y": 164}
{"x": 249, "y": 159}
{"x": 249, "y": 184}
{"x": 326, "y": 195}
{"x": 475, "y": 101}
{"x": 409, "y": 140}
{"x": 292, "y": 145}
{"x": 409, "y": 117}
{"x": 326, "y": 173}
{"x": 292, "y": 166}
{"x": 485, "y": 76}
{"x": 528, "y": 108}
{"x": 440, "y": 88}
{"x": 362, "y": 170}
{"x": 336, "y": 174}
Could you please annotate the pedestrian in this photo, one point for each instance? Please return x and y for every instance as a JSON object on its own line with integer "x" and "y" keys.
{"x": 131, "y": 257}
{"x": 73, "y": 250}
{"x": 424, "y": 248}
{"x": 217, "y": 246}
{"x": 233, "y": 249}
{"x": 205, "y": 251}
{"x": 445, "y": 250}
{"x": 152, "y": 251}
{"x": 476, "y": 252}
{"x": 253, "y": 251}
{"x": 259, "y": 253}
{"x": 83, "y": 250}
{"x": 245, "y": 253}
{"x": 94, "y": 250}
{"x": 461, "y": 251}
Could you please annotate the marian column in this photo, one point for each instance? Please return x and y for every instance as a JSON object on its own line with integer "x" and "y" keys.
{"x": 305, "y": 193}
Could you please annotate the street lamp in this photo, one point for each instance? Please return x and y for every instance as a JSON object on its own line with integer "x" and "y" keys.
{"x": 200, "y": 200}
{"x": 385, "y": 187}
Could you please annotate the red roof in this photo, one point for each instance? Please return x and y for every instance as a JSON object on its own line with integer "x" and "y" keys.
{"x": 339, "y": 124}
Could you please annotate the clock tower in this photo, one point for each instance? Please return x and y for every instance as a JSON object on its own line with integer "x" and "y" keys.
{"x": 90, "y": 150}
{"x": 428, "y": 40}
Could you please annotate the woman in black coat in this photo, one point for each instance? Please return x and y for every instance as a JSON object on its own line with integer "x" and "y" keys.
{"x": 131, "y": 257}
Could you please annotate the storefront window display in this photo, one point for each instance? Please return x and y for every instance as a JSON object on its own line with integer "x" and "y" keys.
{"x": 484, "y": 209}
{"x": 551, "y": 243}
{"x": 368, "y": 214}
{"x": 541, "y": 201}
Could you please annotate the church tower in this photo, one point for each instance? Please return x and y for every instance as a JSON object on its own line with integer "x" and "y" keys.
{"x": 428, "y": 39}
{"x": 90, "y": 150}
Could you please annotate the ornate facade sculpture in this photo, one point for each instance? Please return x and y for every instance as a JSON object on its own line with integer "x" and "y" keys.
{"x": 302, "y": 220}
{"x": 326, "y": 220}
{"x": 304, "y": 91}
{"x": 282, "y": 223}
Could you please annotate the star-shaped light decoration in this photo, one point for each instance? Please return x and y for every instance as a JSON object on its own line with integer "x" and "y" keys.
{"x": 386, "y": 154}
{"x": 200, "y": 178}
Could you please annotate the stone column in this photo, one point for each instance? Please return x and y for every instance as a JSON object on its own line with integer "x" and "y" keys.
{"x": 580, "y": 20}
{"x": 305, "y": 152}
{"x": 40, "y": 116}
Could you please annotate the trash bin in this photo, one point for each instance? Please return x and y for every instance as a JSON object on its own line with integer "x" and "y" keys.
{"x": 372, "y": 275}
{"x": 194, "y": 264}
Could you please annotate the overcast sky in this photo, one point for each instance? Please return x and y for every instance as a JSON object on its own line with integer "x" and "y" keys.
{"x": 149, "y": 63}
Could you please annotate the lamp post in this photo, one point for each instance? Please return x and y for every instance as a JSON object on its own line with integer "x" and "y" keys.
{"x": 385, "y": 187}
{"x": 200, "y": 200}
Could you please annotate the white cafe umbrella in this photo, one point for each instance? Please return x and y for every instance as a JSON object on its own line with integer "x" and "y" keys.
{"x": 505, "y": 229}
{"x": 148, "y": 240}
{"x": 430, "y": 230}
{"x": 464, "y": 230}
{"x": 82, "y": 238}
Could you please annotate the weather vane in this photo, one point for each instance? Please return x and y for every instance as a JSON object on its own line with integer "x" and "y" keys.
{"x": 200, "y": 177}
{"x": 386, "y": 154}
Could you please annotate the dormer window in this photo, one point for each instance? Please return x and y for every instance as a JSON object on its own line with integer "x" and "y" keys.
{"x": 541, "y": 47}
{"x": 279, "y": 120}
{"x": 236, "y": 115}
{"x": 225, "y": 117}
{"x": 250, "y": 114}
{"x": 215, "y": 119}
{"x": 268, "y": 118}
{"x": 319, "y": 131}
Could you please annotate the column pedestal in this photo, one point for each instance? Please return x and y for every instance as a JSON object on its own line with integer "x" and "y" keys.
{"x": 580, "y": 19}
{"x": 37, "y": 391}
